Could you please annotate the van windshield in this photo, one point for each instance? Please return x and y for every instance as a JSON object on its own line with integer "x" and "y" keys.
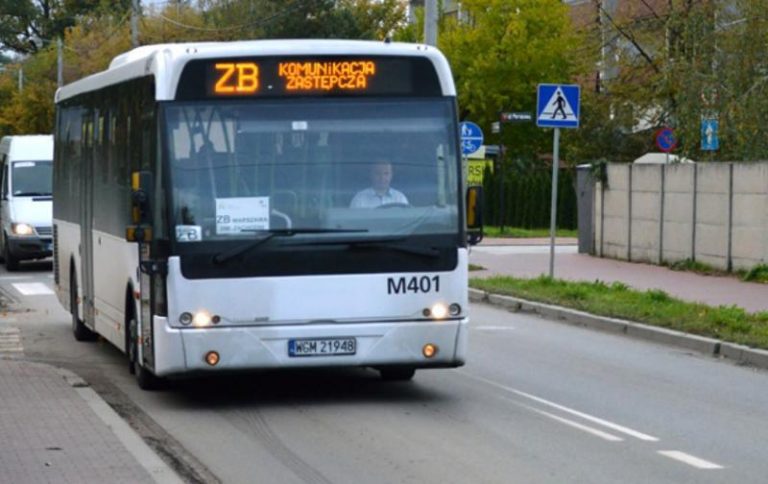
{"x": 31, "y": 178}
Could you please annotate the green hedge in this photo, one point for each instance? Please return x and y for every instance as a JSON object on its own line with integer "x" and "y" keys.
{"x": 527, "y": 195}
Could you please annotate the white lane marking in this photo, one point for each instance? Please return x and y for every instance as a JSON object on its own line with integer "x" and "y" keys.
{"x": 10, "y": 340}
{"x": 614, "y": 426}
{"x": 576, "y": 425}
{"x": 493, "y": 328}
{"x": 32, "y": 288}
{"x": 689, "y": 459}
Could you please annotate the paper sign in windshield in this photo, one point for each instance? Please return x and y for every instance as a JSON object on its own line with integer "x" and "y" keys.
{"x": 241, "y": 214}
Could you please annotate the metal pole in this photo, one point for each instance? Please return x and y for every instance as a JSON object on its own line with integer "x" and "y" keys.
{"x": 135, "y": 23}
{"x": 21, "y": 79}
{"x": 500, "y": 174}
{"x": 59, "y": 64}
{"x": 553, "y": 210}
{"x": 430, "y": 22}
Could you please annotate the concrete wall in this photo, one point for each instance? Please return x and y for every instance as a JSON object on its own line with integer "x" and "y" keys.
{"x": 716, "y": 213}
{"x": 646, "y": 195}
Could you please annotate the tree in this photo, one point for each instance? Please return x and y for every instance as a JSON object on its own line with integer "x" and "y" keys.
{"x": 272, "y": 19}
{"x": 674, "y": 64}
{"x": 26, "y": 26}
{"x": 499, "y": 51}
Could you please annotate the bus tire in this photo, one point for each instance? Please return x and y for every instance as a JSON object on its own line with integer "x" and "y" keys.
{"x": 79, "y": 329}
{"x": 397, "y": 373}
{"x": 145, "y": 378}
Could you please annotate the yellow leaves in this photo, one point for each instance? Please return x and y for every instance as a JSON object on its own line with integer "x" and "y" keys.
{"x": 29, "y": 111}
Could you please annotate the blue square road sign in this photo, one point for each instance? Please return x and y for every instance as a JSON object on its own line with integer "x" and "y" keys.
{"x": 557, "y": 106}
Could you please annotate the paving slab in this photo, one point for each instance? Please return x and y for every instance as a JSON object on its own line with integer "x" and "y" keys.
{"x": 54, "y": 428}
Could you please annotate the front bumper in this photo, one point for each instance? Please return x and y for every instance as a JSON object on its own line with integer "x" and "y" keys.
{"x": 30, "y": 247}
{"x": 180, "y": 351}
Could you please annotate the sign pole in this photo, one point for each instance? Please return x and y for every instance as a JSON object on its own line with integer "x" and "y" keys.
{"x": 557, "y": 106}
{"x": 553, "y": 209}
{"x": 501, "y": 180}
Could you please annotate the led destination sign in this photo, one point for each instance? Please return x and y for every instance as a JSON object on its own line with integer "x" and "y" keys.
{"x": 243, "y": 77}
{"x": 236, "y": 78}
{"x": 311, "y": 76}
{"x": 315, "y": 76}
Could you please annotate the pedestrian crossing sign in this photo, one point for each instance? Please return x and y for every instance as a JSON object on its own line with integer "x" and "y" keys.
{"x": 557, "y": 106}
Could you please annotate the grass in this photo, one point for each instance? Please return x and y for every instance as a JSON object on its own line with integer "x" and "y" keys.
{"x": 759, "y": 273}
{"x": 475, "y": 267}
{"x": 654, "y": 307}
{"x": 518, "y": 233}
{"x": 696, "y": 266}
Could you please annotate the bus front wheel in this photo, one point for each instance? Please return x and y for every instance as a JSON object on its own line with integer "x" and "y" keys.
{"x": 145, "y": 378}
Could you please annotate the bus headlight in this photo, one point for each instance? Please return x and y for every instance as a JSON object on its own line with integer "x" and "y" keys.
{"x": 22, "y": 229}
{"x": 442, "y": 311}
{"x": 201, "y": 318}
{"x": 186, "y": 318}
{"x": 439, "y": 311}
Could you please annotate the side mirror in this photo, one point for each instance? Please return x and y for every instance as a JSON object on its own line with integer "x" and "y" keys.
{"x": 141, "y": 208}
{"x": 474, "y": 214}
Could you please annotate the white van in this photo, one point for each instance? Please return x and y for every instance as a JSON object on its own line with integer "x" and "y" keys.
{"x": 26, "y": 168}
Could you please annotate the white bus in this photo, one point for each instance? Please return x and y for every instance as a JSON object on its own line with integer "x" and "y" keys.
{"x": 234, "y": 166}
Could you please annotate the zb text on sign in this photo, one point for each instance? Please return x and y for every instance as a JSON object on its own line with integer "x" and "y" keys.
{"x": 557, "y": 106}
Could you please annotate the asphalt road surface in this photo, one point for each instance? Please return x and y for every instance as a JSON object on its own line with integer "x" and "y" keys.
{"x": 538, "y": 401}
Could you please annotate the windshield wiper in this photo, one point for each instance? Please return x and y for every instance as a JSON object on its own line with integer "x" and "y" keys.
{"x": 384, "y": 243}
{"x": 223, "y": 257}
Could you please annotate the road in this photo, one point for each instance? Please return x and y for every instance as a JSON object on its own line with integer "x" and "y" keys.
{"x": 538, "y": 401}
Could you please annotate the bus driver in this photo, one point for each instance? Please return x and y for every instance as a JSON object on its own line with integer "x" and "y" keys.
{"x": 380, "y": 193}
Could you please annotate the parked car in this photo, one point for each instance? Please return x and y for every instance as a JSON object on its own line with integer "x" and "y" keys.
{"x": 26, "y": 168}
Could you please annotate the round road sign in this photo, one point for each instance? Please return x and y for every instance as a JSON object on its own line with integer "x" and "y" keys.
{"x": 471, "y": 137}
{"x": 665, "y": 139}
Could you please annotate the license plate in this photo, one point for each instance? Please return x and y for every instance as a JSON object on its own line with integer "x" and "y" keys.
{"x": 322, "y": 347}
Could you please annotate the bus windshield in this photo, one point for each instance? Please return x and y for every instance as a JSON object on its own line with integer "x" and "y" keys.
{"x": 361, "y": 168}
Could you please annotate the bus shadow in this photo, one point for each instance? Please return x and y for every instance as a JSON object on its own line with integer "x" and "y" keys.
{"x": 44, "y": 265}
{"x": 314, "y": 387}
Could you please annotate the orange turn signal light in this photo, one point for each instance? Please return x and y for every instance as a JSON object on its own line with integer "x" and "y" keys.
{"x": 212, "y": 358}
{"x": 429, "y": 350}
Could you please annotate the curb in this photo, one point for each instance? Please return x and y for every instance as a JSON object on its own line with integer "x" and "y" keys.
{"x": 740, "y": 354}
{"x": 160, "y": 472}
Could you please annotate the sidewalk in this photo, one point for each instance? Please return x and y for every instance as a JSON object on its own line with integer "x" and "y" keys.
{"x": 528, "y": 258}
{"x": 496, "y": 241}
{"x": 54, "y": 428}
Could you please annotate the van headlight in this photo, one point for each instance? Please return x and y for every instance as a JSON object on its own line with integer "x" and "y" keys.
{"x": 22, "y": 229}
